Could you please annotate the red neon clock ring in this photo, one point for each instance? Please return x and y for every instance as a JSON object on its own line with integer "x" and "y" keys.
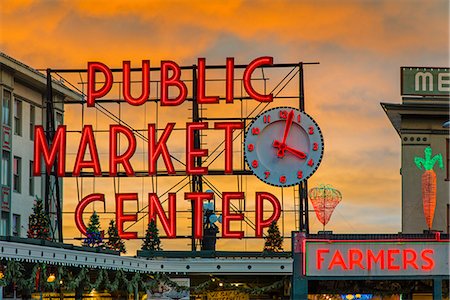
{"x": 283, "y": 146}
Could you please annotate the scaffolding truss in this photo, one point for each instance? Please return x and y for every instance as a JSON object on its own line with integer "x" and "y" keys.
{"x": 284, "y": 81}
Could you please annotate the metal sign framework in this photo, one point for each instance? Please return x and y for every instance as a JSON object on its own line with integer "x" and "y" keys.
{"x": 291, "y": 71}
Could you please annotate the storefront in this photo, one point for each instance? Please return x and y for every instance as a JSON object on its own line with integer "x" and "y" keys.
{"x": 405, "y": 266}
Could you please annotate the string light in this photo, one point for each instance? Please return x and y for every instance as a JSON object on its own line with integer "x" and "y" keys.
{"x": 51, "y": 278}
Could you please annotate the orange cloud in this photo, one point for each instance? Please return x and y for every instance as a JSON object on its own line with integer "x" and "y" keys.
{"x": 360, "y": 45}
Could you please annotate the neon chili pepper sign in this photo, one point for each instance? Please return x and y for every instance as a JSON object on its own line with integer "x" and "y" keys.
{"x": 49, "y": 154}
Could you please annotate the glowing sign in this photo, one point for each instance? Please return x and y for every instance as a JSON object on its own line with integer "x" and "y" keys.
{"x": 171, "y": 77}
{"x": 363, "y": 258}
{"x": 48, "y": 155}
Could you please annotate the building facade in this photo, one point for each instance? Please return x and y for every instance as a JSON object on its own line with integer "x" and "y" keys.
{"x": 23, "y": 94}
{"x": 420, "y": 122}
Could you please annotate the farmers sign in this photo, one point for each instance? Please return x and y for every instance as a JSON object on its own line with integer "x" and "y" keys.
{"x": 376, "y": 258}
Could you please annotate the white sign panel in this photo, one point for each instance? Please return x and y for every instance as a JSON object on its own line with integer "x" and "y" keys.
{"x": 361, "y": 258}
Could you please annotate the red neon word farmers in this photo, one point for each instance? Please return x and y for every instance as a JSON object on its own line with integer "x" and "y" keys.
{"x": 390, "y": 259}
{"x": 170, "y": 77}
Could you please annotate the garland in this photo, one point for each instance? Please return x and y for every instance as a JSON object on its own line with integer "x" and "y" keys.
{"x": 15, "y": 274}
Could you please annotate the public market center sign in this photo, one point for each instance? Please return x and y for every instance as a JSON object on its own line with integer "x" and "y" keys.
{"x": 52, "y": 156}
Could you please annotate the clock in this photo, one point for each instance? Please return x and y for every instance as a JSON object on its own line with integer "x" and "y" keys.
{"x": 283, "y": 146}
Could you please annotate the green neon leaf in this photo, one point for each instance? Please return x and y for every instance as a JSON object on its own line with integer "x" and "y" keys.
{"x": 427, "y": 162}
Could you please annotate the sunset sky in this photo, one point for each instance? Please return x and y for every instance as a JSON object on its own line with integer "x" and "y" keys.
{"x": 360, "y": 45}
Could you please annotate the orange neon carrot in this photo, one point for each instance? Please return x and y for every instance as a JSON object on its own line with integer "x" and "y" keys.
{"x": 428, "y": 183}
{"x": 429, "y": 196}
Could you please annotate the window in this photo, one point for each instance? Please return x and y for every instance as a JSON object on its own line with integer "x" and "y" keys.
{"x": 16, "y": 174}
{"x": 6, "y": 103}
{"x": 32, "y": 121}
{"x": 17, "y": 117}
{"x": 447, "y": 160}
{"x": 3, "y": 223}
{"x": 59, "y": 120}
{"x": 16, "y": 225}
{"x": 31, "y": 180}
{"x": 5, "y": 168}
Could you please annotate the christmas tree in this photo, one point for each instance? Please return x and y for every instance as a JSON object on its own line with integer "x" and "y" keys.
{"x": 114, "y": 240}
{"x": 39, "y": 222}
{"x": 273, "y": 240}
{"x": 151, "y": 240}
{"x": 93, "y": 235}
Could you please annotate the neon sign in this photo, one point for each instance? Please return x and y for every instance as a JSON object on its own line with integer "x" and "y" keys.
{"x": 47, "y": 154}
{"x": 173, "y": 80}
{"x": 372, "y": 258}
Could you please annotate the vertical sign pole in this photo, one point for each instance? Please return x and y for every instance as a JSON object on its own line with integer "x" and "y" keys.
{"x": 299, "y": 283}
{"x": 52, "y": 191}
{"x": 197, "y": 182}
{"x": 299, "y": 280}
{"x": 49, "y": 136}
{"x": 437, "y": 288}
{"x": 303, "y": 186}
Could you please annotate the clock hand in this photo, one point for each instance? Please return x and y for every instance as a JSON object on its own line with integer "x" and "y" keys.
{"x": 296, "y": 152}
{"x": 287, "y": 127}
{"x": 282, "y": 145}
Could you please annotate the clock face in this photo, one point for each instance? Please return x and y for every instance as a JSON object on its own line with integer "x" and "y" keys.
{"x": 283, "y": 146}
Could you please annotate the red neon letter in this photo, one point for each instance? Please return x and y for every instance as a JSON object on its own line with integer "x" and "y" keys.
{"x": 391, "y": 259}
{"x": 193, "y": 150}
{"x": 122, "y": 218}
{"x": 87, "y": 138}
{"x": 320, "y": 259}
{"x": 155, "y": 208}
{"x": 123, "y": 159}
{"x": 410, "y": 260}
{"x": 261, "y": 61}
{"x": 229, "y": 127}
{"x": 145, "y": 83}
{"x": 337, "y": 260}
{"x": 227, "y": 216}
{"x": 92, "y": 93}
{"x": 372, "y": 258}
{"x": 201, "y": 85}
{"x": 230, "y": 80}
{"x": 80, "y": 209}
{"x": 155, "y": 150}
{"x": 259, "y": 222}
{"x": 58, "y": 148}
{"x": 428, "y": 259}
{"x": 173, "y": 81}
{"x": 198, "y": 199}
{"x": 355, "y": 257}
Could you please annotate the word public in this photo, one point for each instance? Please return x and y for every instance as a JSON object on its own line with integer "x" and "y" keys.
{"x": 170, "y": 77}
{"x": 52, "y": 155}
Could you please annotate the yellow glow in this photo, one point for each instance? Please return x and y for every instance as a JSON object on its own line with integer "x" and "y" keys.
{"x": 51, "y": 278}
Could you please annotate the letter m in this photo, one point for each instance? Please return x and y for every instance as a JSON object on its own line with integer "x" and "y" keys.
{"x": 57, "y": 148}
{"x": 423, "y": 77}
